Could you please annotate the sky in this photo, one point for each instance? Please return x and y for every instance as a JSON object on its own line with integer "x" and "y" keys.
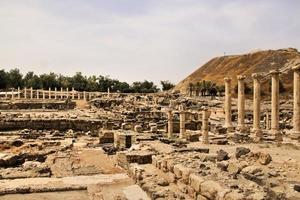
{"x": 136, "y": 40}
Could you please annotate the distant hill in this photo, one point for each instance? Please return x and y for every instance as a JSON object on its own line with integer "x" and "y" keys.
{"x": 259, "y": 61}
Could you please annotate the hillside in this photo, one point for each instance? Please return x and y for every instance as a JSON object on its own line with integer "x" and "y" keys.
{"x": 261, "y": 61}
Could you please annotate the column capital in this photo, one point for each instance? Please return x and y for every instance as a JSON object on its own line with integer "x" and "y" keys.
{"x": 241, "y": 77}
{"x": 296, "y": 68}
{"x": 257, "y": 76}
{"x": 227, "y": 79}
{"x": 275, "y": 72}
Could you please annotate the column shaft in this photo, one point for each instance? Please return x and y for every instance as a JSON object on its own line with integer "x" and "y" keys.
{"x": 170, "y": 123}
{"x": 241, "y": 103}
{"x": 296, "y": 114}
{"x": 227, "y": 106}
{"x": 275, "y": 105}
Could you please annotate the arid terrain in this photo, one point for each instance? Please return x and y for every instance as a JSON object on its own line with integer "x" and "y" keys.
{"x": 146, "y": 146}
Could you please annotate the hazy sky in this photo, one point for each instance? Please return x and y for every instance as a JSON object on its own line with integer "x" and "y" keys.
{"x": 139, "y": 39}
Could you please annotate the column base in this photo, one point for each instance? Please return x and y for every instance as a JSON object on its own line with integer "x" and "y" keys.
{"x": 257, "y": 135}
{"x": 294, "y": 135}
{"x": 229, "y": 129}
{"x": 277, "y": 135}
{"x": 241, "y": 128}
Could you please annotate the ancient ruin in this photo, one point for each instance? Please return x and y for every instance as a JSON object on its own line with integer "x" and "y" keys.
{"x": 61, "y": 143}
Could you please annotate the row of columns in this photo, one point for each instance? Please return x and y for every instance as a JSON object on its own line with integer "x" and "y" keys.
{"x": 256, "y": 104}
{"x": 182, "y": 117}
{"x": 57, "y": 94}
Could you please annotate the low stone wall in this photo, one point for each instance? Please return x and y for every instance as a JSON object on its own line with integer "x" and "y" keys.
{"x": 36, "y": 104}
{"x": 47, "y": 124}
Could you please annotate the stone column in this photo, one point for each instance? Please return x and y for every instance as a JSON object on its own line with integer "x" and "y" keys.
{"x": 12, "y": 94}
{"x": 78, "y": 96}
{"x": 25, "y": 93}
{"x": 55, "y": 93}
{"x": 6, "y": 95}
{"x": 43, "y": 94}
{"x": 108, "y": 92}
{"x": 31, "y": 93}
{"x": 37, "y": 94}
{"x": 275, "y": 105}
{"x": 256, "y": 106}
{"x": 241, "y": 103}
{"x": 84, "y": 95}
{"x": 170, "y": 123}
{"x": 90, "y": 96}
{"x": 61, "y": 93}
{"x": 227, "y": 106}
{"x": 73, "y": 93}
{"x": 19, "y": 95}
{"x": 267, "y": 121}
{"x": 296, "y": 115}
{"x": 67, "y": 93}
{"x": 49, "y": 93}
{"x": 205, "y": 127}
{"x": 182, "y": 134}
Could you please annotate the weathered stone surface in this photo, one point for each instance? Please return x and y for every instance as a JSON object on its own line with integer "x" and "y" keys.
{"x": 211, "y": 189}
{"x": 264, "y": 158}
{"x": 240, "y": 151}
{"x": 195, "y": 182}
{"x": 222, "y": 155}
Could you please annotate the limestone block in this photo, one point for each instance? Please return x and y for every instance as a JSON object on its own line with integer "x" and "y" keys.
{"x": 195, "y": 182}
{"x": 213, "y": 190}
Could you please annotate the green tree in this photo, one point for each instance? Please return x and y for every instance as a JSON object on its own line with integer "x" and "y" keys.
{"x": 14, "y": 78}
{"x": 79, "y": 82}
{"x": 167, "y": 85}
{"x": 3, "y": 79}
{"x": 32, "y": 80}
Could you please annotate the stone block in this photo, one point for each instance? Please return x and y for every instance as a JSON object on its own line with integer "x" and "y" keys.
{"x": 212, "y": 190}
{"x": 195, "y": 182}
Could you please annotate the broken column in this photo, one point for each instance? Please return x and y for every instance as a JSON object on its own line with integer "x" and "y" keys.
{"x": 182, "y": 134}
{"x": 227, "y": 106}
{"x": 12, "y": 94}
{"x": 55, "y": 93}
{"x": 170, "y": 123}
{"x": 108, "y": 92}
{"x": 275, "y": 105}
{"x": 241, "y": 103}
{"x": 19, "y": 93}
{"x": 67, "y": 93}
{"x": 296, "y": 115}
{"x": 84, "y": 95}
{"x": 73, "y": 93}
{"x": 25, "y": 93}
{"x": 49, "y": 93}
{"x": 31, "y": 93}
{"x": 61, "y": 93}
{"x": 256, "y": 106}
{"x": 205, "y": 127}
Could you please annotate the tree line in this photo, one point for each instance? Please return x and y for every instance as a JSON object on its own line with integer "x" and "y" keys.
{"x": 205, "y": 88}
{"x": 14, "y": 79}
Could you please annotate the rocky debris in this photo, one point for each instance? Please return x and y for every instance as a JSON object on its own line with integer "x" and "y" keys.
{"x": 254, "y": 174}
{"x": 264, "y": 158}
{"x": 222, "y": 155}
{"x": 140, "y": 157}
{"x": 241, "y": 151}
{"x": 297, "y": 188}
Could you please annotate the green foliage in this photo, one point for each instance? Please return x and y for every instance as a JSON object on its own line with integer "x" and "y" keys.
{"x": 248, "y": 90}
{"x": 166, "y": 85}
{"x": 14, "y": 79}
